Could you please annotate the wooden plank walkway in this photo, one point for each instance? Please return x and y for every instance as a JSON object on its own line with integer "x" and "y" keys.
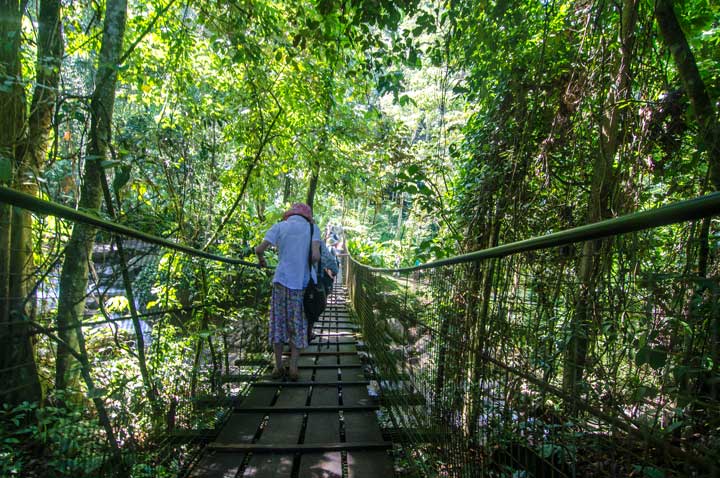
{"x": 322, "y": 426}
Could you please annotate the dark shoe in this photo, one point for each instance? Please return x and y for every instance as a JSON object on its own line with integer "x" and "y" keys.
{"x": 277, "y": 374}
{"x": 293, "y": 376}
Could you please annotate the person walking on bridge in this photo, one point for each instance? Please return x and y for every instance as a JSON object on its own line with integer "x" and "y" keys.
{"x": 296, "y": 238}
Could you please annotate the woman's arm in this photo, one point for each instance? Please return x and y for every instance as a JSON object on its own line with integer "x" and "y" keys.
{"x": 260, "y": 252}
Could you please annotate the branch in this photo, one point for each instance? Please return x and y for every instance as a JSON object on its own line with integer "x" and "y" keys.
{"x": 263, "y": 142}
{"x": 145, "y": 33}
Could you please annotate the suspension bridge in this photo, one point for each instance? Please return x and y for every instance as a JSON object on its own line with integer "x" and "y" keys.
{"x": 501, "y": 362}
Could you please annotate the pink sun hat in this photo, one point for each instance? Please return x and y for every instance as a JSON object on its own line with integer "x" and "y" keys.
{"x": 299, "y": 209}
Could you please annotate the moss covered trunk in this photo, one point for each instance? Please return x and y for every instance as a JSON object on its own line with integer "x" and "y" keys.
{"x": 74, "y": 275}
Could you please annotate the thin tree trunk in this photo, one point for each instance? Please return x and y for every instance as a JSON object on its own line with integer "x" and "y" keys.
{"x": 16, "y": 265}
{"x": 74, "y": 276}
{"x": 709, "y": 141}
{"x": 30, "y": 163}
{"x": 603, "y": 183}
{"x": 31, "y": 157}
{"x": 140, "y": 340}
{"x": 314, "y": 178}
{"x": 12, "y": 117}
{"x": 399, "y": 229}
{"x": 702, "y": 104}
{"x": 322, "y": 152}
{"x": 287, "y": 188}
{"x": 480, "y": 325}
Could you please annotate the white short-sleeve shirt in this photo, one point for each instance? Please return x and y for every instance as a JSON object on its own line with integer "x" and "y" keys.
{"x": 292, "y": 240}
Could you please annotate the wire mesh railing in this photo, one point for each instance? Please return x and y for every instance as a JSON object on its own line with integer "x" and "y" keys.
{"x": 145, "y": 348}
{"x": 590, "y": 352}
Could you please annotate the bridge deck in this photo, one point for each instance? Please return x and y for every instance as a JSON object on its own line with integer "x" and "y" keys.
{"x": 324, "y": 425}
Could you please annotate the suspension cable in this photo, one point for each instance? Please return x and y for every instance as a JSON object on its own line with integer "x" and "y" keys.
{"x": 688, "y": 210}
{"x": 43, "y": 207}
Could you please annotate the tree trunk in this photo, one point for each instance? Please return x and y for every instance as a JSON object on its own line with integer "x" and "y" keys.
{"x": 31, "y": 157}
{"x": 314, "y": 178}
{"x": 603, "y": 183}
{"x": 74, "y": 276}
{"x": 480, "y": 326}
{"x": 12, "y": 117}
{"x": 709, "y": 128}
{"x": 30, "y": 161}
{"x": 287, "y": 188}
{"x": 16, "y": 266}
{"x": 323, "y": 146}
{"x": 399, "y": 227}
{"x": 709, "y": 141}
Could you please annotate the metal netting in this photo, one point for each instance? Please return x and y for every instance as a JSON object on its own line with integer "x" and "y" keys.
{"x": 596, "y": 358}
{"x": 198, "y": 323}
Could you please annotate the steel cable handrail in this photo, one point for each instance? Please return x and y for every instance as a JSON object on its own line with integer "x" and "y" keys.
{"x": 680, "y": 211}
{"x": 460, "y": 335}
{"x": 43, "y": 207}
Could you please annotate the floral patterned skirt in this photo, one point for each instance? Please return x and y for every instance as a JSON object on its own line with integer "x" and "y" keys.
{"x": 287, "y": 321}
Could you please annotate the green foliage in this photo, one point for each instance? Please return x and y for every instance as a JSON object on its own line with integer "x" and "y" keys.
{"x": 62, "y": 435}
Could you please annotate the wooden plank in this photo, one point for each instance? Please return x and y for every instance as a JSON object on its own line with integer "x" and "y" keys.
{"x": 350, "y": 374}
{"x": 304, "y": 374}
{"x": 269, "y": 466}
{"x": 362, "y": 464}
{"x": 218, "y": 465}
{"x": 333, "y": 366}
{"x": 328, "y": 347}
{"x": 280, "y": 430}
{"x": 291, "y": 396}
{"x": 240, "y": 428}
{"x": 355, "y": 395}
{"x": 350, "y": 360}
{"x": 361, "y": 426}
{"x": 259, "y": 397}
{"x": 324, "y": 395}
{"x": 347, "y": 348}
{"x": 323, "y": 427}
{"x": 336, "y": 334}
{"x": 321, "y": 465}
{"x": 327, "y": 360}
{"x": 306, "y": 409}
{"x": 304, "y": 448}
{"x": 326, "y": 374}
{"x": 332, "y": 381}
{"x": 306, "y": 352}
{"x": 323, "y": 341}
{"x": 306, "y": 361}
{"x": 346, "y": 340}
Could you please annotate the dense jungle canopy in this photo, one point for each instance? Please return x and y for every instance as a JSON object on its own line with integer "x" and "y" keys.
{"x": 424, "y": 128}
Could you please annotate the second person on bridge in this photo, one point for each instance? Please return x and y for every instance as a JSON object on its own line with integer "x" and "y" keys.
{"x": 294, "y": 242}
